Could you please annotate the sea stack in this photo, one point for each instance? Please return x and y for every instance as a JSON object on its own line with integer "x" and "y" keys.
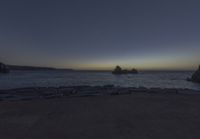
{"x": 196, "y": 76}
{"x": 119, "y": 70}
{"x": 3, "y": 68}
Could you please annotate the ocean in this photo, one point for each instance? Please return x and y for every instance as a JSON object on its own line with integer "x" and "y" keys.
{"x": 57, "y": 78}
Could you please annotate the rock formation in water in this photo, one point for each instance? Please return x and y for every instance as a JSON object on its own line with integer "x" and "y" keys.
{"x": 3, "y": 68}
{"x": 134, "y": 71}
{"x": 196, "y": 76}
{"x": 118, "y": 70}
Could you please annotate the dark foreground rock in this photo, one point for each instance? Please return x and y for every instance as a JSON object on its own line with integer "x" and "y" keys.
{"x": 196, "y": 76}
{"x": 3, "y": 68}
{"x": 118, "y": 70}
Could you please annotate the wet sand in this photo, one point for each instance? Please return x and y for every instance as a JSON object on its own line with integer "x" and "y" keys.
{"x": 131, "y": 116}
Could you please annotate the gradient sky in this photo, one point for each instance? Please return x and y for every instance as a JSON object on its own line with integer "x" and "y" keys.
{"x": 99, "y": 34}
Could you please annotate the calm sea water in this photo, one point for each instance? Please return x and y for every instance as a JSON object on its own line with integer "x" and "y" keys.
{"x": 20, "y": 79}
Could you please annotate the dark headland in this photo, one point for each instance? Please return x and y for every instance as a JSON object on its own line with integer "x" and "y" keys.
{"x": 7, "y": 68}
{"x": 4, "y": 68}
{"x": 195, "y": 76}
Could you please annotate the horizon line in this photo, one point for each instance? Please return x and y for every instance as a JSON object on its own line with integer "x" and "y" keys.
{"x": 100, "y": 69}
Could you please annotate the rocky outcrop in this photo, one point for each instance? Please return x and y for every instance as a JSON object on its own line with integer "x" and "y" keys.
{"x": 3, "y": 68}
{"x": 196, "y": 76}
{"x": 118, "y": 70}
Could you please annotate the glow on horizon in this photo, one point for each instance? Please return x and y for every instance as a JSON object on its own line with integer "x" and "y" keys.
{"x": 155, "y": 63}
{"x": 178, "y": 60}
{"x": 165, "y": 61}
{"x": 148, "y": 66}
{"x": 168, "y": 60}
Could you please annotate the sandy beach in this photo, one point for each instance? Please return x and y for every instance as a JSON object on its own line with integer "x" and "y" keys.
{"x": 130, "y": 116}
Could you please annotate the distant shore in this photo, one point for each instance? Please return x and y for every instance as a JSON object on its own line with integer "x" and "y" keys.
{"x": 17, "y": 67}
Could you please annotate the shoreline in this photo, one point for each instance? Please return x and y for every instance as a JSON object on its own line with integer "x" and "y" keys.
{"x": 32, "y": 93}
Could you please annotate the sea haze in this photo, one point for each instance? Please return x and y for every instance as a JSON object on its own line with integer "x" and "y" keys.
{"x": 57, "y": 78}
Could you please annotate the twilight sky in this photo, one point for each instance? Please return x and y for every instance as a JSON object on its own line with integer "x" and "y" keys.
{"x": 99, "y": 34}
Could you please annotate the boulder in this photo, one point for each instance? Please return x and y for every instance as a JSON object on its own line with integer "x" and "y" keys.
{"x": 196, "y": 76}
{"x": 3, "y": 68}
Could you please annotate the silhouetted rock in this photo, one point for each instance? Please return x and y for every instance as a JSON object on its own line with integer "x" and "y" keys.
{"x": 196, "y": 76}
{"x": 134, "y": 71}
{"x": 3, "y": 68}
{"x": 118, "y": 70}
